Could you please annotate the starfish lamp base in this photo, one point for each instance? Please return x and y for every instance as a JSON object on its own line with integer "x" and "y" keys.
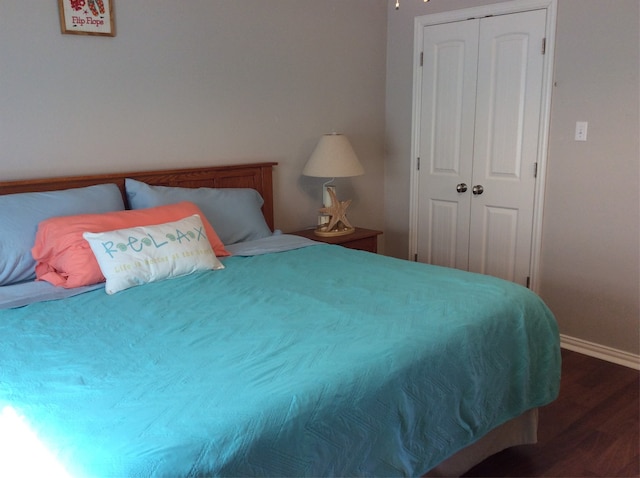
{"x": 341, "y": 230}
{"x": 338, "y": 224}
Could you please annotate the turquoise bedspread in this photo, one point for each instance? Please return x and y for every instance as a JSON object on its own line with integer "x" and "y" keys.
{"x": 316, "y": 361}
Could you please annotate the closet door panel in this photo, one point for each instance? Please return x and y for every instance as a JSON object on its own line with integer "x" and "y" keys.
{"x": 509, "y": 85}
{"x": 447, "y": 111}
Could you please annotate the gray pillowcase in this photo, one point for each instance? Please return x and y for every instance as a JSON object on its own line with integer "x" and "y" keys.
{"x": 234, "y": 213}
{"x": 21, "y": 213}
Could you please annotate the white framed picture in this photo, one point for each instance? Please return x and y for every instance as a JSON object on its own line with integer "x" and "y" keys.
{"x": 87, "y": 17}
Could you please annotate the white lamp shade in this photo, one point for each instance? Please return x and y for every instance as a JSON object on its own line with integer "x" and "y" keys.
{"x": 333, "y": 158}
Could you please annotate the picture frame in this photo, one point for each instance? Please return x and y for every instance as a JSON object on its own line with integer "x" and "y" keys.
{"x": 87, "y": 17}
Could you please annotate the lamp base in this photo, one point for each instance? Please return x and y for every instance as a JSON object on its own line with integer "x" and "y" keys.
{"x": 323, "y": 232}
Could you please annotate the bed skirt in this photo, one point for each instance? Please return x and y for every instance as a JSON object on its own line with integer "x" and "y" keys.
{"x": 522, "y": 430}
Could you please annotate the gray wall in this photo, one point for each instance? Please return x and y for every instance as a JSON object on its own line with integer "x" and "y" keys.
{"x": 198, "y": 83}
{"x": 591, "y": 265}
{"x": 590, "y": 251}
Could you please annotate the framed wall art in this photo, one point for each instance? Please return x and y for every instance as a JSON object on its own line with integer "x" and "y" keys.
{"x": 87, "y": 17}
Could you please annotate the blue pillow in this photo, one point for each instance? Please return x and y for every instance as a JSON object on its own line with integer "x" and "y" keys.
{"x": 21, "y": 213}
{"x": 234, "y": 213}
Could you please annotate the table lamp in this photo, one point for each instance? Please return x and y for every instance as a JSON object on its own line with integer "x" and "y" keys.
{"x": 333, "y": 158}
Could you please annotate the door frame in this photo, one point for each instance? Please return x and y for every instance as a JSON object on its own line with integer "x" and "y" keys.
{"x": 503, "y": 8}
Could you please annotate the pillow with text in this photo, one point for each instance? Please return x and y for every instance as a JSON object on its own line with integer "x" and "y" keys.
{"x": 139, "y": 255}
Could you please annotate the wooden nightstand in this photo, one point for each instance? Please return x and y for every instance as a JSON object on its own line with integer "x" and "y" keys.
{"x": 362, "y": 239}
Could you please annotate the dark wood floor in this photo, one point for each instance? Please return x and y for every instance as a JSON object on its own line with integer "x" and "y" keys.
{"x": 590, "y": 430}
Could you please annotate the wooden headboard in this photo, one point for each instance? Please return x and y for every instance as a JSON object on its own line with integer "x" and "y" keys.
{"x": 256, "y": 176}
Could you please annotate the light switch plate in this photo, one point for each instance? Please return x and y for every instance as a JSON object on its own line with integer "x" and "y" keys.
{"x": 581, "y": 130}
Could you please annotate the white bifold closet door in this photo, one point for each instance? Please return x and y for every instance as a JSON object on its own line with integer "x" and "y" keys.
{"x": 480, "y": 110}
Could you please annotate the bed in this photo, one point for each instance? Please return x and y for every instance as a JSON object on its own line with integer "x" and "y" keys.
{"x": 281, "y": 357}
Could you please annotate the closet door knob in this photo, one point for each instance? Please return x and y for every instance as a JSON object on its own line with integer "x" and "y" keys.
{"x": 477, "y": 190}
{"x": 461, "y": 188}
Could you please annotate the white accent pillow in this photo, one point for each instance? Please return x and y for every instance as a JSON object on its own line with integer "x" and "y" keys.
{"x": 138, "y": 255}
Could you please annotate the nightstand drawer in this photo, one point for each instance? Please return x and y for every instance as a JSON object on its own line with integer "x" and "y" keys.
{"x": 369, "y": 244}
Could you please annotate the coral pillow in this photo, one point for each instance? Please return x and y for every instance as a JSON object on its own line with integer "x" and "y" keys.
{"x": 63, "y": 257}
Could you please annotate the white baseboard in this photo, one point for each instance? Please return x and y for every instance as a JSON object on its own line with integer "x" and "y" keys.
{"x": 603, "y": 352}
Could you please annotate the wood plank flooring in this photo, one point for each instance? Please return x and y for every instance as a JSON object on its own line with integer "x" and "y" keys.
{"x": 592, "y": 429}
